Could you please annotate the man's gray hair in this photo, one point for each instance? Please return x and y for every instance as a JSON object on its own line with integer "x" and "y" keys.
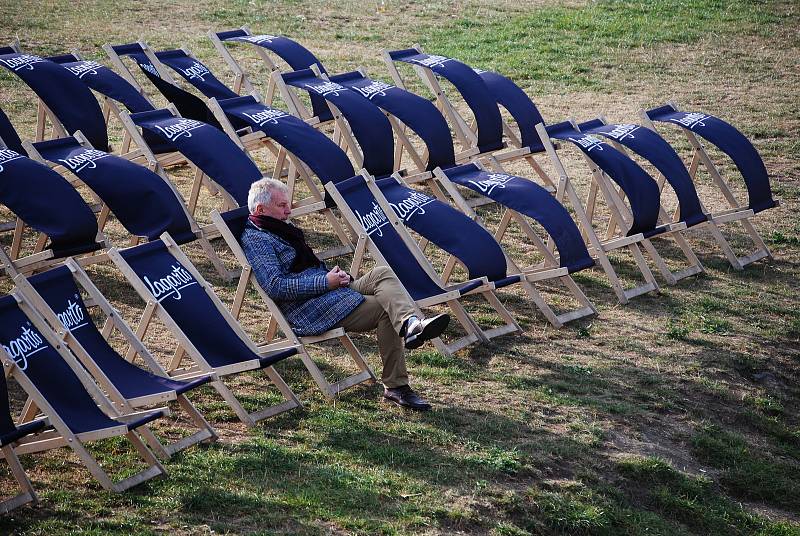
{"x": 261, "y": 192}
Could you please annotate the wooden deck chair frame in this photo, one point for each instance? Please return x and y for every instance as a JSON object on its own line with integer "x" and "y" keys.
{"x": 62, "y": 436}
{"x": 278, "y": 321}
{"x": 112, "y": 321}
{"x": 187, "y": 349}
{"x": 241, "y": 80}
{"x": 202, "y": 234}
{"x": 598, "y": 248}
{"x": 548, "y": 270}
{"x": 736, "y": 213}
{"x": 465, "y": 134}
{"x": 27, "y": 494}
{"x": 289, "y": 166}
{"x": 674, "y": 230}
{"x": 450, "y": 297}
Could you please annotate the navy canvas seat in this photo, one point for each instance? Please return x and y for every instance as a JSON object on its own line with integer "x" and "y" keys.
{"x": 69, "y": 99}
{"x": 315, "y": 149}
{"x": 213, "y": 340}
{"x": 731, "y": 142}
{"x": 72, "y": 228}
{"x": 530, "y": 199}
{"x": 369, "y": 125}
{"x": 125, "y": 188}
{"x": 290, "y": 51}
{"x": 206, "y": 147}
{"x": 74, "y": 406}
{"x": 417, "y": 113}
{"x": 190, "y": 106}
{"x": 472, "y": 88}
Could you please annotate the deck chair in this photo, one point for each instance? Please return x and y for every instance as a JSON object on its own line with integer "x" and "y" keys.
{"x": 10, "y": 434}
{"x": 124, "y": 187}
{"x": 64, "y": 100}
{"x": 215, "y": 157}
{"x": 381, "y": 232}
{"x": 56, "y": 294}
{"x": 291, "y": 52}
{"x": 213, "y": 341}
{"x": 27, "y": 188}
{"x": 59, "y": 388}
{"x": 9, "y": 139}
{"x": 118, "y": 92}
{"x": 746, "y": 159}
{"x": 231, "y": 225}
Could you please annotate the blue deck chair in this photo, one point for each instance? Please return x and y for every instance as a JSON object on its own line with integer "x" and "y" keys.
{"x": 214, "y": 342}
{"x": 381, "y": 231}
{"x": 212, "y": 153}
{"x": 57, "y": 297}
{"x": 746, "y": 159}
{"x": 69, "y": 103}
{"x": 72, "y": 229}
{"x": 59, "y": 388}
{"x": 413, "y": 112}
{"x": 288, "y": 50}
{"x": 124, "y": 187}
{"x": 488, "y": 134}
{"x": 231, "y": 225}
{"x": 115, "y": 90}
{"x": 371, "y": 141}
{"x": 10, "y": 434}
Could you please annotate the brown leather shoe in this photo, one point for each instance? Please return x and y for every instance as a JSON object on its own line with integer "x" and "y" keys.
{"x": 405, "y": 396}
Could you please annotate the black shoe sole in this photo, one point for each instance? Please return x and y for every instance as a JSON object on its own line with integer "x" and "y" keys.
{"x": 406, "y": 406}
{"x": 431, "y": 331}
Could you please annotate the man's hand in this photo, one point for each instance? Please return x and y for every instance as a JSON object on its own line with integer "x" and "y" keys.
{"x": 337, "y": 278}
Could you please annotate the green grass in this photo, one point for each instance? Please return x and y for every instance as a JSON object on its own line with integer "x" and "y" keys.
{"x": 653, "y": 418}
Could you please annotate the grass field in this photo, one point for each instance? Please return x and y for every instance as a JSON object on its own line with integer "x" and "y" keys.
{"x": 676, "y": 414}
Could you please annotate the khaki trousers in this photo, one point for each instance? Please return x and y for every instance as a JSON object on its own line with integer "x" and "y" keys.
{"x": 386, "y": 307}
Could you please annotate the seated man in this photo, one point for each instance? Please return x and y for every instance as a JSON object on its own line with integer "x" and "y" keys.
{"x": 315, "y": 299}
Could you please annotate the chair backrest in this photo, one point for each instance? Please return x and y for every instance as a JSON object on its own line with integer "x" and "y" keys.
{"x": 511, "y": 97}
{"x": 105, "y": 81}
{"x": 125, "y": 187}
{"x": 29, "y": 189}
{"x": 9, "y": 136}
{"x": 38, "y": 357}
{"x": 58, "y": 288}
{"x": 365, "y": 212}
{"x": 70, "y": 100}
{"x": 196, "y": 73}
{"x": 326, "y": 159}
{"x": 417, "y": 113}
{"x": 369, "y": 125}
{"x": 163, "y": 278}
{"x": 528, "y": 198}
{"x": 640, "y": 188}
{"x": 7, "y": 425}
{"x": 471, "y": 87}
{"x": 189, "y": 105}
{"x": 293, "y": 53}
{"x": 207, "y": 147}
{"x": 731, "y": 142}
{"x": 446, "y": 227}
{"x": 655, "y": 149}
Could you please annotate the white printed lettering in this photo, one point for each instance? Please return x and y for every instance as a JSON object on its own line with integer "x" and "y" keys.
{"x": 171, "y": 284}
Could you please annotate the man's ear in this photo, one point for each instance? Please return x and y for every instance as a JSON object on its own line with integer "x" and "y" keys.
{"x": 259, "y": 209}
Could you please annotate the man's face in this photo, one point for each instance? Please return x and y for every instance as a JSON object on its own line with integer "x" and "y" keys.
{"x": 278, "y": 206}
